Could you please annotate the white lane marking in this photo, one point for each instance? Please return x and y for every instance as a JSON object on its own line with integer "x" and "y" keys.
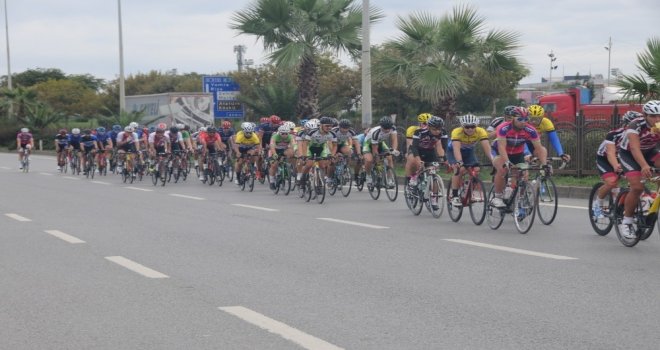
{"x": 138, "y": 189}
{"x": 254, "y": 207}
{"x": 184, "y": 196}
{"x": 283, "y": 330}
{"x": 71, "y": 178}
{"x": 512, "y": 250}
{"x": 571, "y": 206}
{"x": 353, "y": 223}
{"x": 17, "y": 217}
{"x": 135, "y": 267}
{"x": 47, "y": 174}
{"x": 65, "y": 237}
{"x": 100, "y": 182}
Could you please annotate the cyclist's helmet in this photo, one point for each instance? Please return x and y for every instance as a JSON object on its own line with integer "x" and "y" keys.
{"x": 652, "y": 107}
{"x": 312, "y": 124}
{"x": 325, "y": 121}
{"x": 345, "y": 124}
{"x": 290, "y": 125}
{"x": 424, "y": 117}
{"x": 133, "y": 125}
{"x": 386, "y": 123}
{"x": 174, "y": 129}
{"x": 520, "y": 112}
{"x": 436, "y": 122}
{"x": 202, "y": 129}
{"x": 508, "y": 111}
{"x": 496, "y": 122}
{"x": 211, "y": 130}
{"x": 335, "y": 122}
{"x": 275, "y": 119}
{"x": 264, "y": 120}
{"x": 536, "y": 111}
{"x": 100, "y": 130}
{"x": 62, "y": 131}
{"x": 25, "y": 130}
{"x": 76, "y": 131}
{"x": 161, "y": 127}
{"x": 247, "y": 128}
{"x": 152, "y": 129}
{"x": 116, "y": 128}
{"x": 87, "y": 132}
{"x": 226, "y": 124}
{"x": 468, "y": 119}
{"x": 303, "y": 121}
{"x": 629, "y": 116}
{"x": 283, "y": 130}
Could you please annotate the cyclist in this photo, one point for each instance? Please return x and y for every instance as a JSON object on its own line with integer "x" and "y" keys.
{"x": 88, "y": 143}
{"x": 61, "y": 147}
{"x": 211, "y": 142}
{"x": 265, "y": 131}
{"x": 511, "y": 139}
{"x": 105, "y": 143}
{"x": 607, "y": 161}
{"x": 24, "y": 140}
{"x": 638, "y": 150}
{"x": 246, "y": 142}
{"x": 461, "y": 151}
{"x": 301, "y": 144}
{"x": 127, "y": 142}
{"x": 159, "y": 144}
{"x": 227, "y": 134}
{"x": 74, "y": 142}
{"x": 320, "y": 143}
{"x": 543, "y": 124}
{"x": 347, "y": 144}
{"x": 281, "y": 145}
{"x": 374, "y": 144}
{"x": 426, "y": 147}
{"x": 507, "y": 116}
{"x": 422, "y": 119}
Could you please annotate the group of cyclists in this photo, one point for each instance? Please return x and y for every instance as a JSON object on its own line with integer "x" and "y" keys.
{"x": 510, "y": 139}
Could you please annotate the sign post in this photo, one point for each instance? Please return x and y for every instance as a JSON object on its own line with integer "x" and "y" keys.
{"x": 225, "y": 96}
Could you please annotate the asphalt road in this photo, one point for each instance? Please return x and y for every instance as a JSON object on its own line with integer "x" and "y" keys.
{"x": 104, "y": 265}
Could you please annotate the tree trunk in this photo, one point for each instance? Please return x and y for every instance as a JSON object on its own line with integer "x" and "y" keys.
{"x": 446, "y": 109}
{"x": 308, "y": 93}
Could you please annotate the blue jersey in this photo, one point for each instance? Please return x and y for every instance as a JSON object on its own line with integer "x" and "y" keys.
{"x": 62, "y": 140}
{"x": 226, "y": 134}
{"x": 103, "y": 138}
{"x": 88, "y": 140}
{"x": 113, "y": 136}
{"x": 74, "y": 140}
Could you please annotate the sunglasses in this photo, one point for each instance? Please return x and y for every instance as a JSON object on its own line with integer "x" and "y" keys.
{"x": 469, "y": 127}
{"x": 524, "y": 120}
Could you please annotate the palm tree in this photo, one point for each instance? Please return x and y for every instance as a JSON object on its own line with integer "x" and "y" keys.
{"x": 278, "y": 97}
{"x": 437, "y": 56}
{"x": 39, "y": 117}
{"x": 295, "y": 32}
{"x": 636, "y": 87}
{"x": 18, "y": 100}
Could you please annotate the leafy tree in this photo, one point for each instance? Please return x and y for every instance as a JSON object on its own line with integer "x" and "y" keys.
{"x": 39, "y": 117}
{"x": 340, "y": 87}
{"x": 17, "y": 101}
{"x": 297, "y": 31}
{"x": 434, "y": 55}
{"x": 69, "y": 97}
{"x": 34, "y": 76}
{"x": 639, "y": 87}
{"x": 278, "y": 97}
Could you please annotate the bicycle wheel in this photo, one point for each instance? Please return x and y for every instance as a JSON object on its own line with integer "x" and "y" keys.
{"x": 333, "y": 185}
{"x": 154, "y": 177}
{"x": 547, "y": 200}
{"x": 618, "y": 219}
{"x": 359, "y": 181}
{"x": 524, "y": 210}
{"x": 374, "y": 187}
{"x": 92, "y": 170}
{"x": 346, "y": 181}
{"x": 309, "y": 189}
{"x": 319, "y": 186}
{"x": 477, "y": 201}
{"x": 285, "y": 183}
{"x": 251, "y": 178}
{"x": 495, "y": 215}
{"x": 603, "y": 224}
{"x": 455, "y": 213}
{"x": 65, "y": 166}
{"x": 413, "y": 199}
{"x": 435, "y": 202}
{"x": 391, "y": 184}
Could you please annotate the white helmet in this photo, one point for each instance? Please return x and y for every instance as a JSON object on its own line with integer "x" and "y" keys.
{"x": 652, "y": 107}
{"x": 25, "y": 130}
{"x": 75, "y": 131}
{"x": 133, "y": 125}
{"x": 312, "y": 124}
{"x": 180, "y": 126}
{"x": 247, "y": 127}
{"x": 468, "y": 119}
{"x": 202, "y": 129}
{"x": 129, "y": 129}
{"x": 283, "y": 130}
{"x": 290, "y": 125}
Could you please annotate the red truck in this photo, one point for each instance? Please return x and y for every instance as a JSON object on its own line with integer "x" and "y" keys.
{"x": 564, "y": 107}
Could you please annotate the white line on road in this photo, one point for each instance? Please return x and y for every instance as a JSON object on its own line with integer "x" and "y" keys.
{"x": 17, "y": 217}
{"x": 65, "y": 237}
{"x": 254, "y": 207}
{"x": 184, "y": 196}
{"x": 135, "y": 267}
{"x": 138, "y": 189}
{"x": 571, "y": 206}
{"x": 47, "y": 174}
{"x": 100, "y": 182}
{"x": 71, "y": 178}
{"x": 512, "y": 250}
{"x": 353, "y": 223}
{"x": 301, "y": 338}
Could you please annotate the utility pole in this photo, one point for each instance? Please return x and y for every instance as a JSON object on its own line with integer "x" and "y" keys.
{"x": 122, "y": 90}
{"x": 366, "y": 67}
{"x": 239, "y": 50}
{"x": 9, "y": 85}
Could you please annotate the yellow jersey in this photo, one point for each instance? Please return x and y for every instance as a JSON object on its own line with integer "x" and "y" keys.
{"x": 468, "y": 141}
{"x": 241, "y": 140}
{"x": 411, "y": 130}
{"x": 544, "y": 126}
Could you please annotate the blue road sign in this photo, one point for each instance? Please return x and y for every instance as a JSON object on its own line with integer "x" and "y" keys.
{"x": 225, "y": 96}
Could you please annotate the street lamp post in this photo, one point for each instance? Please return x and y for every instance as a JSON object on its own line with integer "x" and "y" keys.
{"x": 553, "y": 58}
{"x": 122, "y": 90}
{"x": 366, "y": 66}
{"x": 7, "y": 39}
{"x": 609, "y": 59}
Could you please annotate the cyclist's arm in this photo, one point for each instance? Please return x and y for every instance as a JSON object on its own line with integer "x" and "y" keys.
{"x": 440, "y": 150}
{"x": 540, "y": 151}
{"x": 501, "y": 148}
{"x": 456, "y": 148}
{"x": 485, "y": 145}
{"x": 636, "y": 151}
{"x": 610, "y": 152}
{"x": 395, "y": 141}
{"x": 554, "y": 141}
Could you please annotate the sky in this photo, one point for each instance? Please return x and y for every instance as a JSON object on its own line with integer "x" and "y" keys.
{"x": 82, "y": 36}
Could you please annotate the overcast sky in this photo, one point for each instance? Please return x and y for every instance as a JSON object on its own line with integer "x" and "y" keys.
{"x": 81, "y": 36}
